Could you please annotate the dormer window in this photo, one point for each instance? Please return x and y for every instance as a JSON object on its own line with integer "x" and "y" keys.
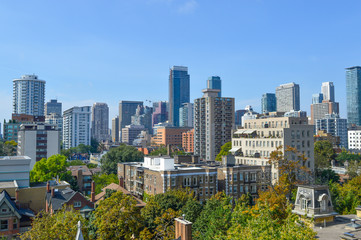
{"x": 304, "y": 202}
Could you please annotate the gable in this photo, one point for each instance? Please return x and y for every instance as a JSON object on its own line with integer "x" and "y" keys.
{"x": 8, "y": 209}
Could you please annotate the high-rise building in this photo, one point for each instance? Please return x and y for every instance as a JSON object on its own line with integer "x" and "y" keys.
{"x": 179, "y": 81}
{"x": 126, "y": 110}
{"x": 76, "y": 126}
{"x": 317, "y": 98}
{"x": 186, "y": 115}
{"x": 333, "y": 124}
{"x": 29, "y": 95}
{"x": 268, "y": 103}
{"x": 130, "y": 133}
{"x": 100, "y": 122}
{"x": 53, "y": 107}
{"x": 288, "y": 97}
{"x": 12, "y": 127}
{"x": 115, "y": 129}
{"x": 188, "y": 141}
{"x": 328, "y": 91}
{"x": 160, "y": 113}
{"x": 238, "y": 117}
{"x": 55, "y": 119}
{"x": 213, "y": 123}
{"x": 143, "y": 116}
{"x": 38, "y": 141}
{"x": 215, "y": 82}
{"x": 320, "y": 110}
{"x": 353, "y": 95}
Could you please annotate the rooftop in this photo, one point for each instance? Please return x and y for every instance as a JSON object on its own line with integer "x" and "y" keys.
{"x": 337, "y": 228}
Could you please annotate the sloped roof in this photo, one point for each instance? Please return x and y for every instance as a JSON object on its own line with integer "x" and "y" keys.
{"x": 61, "y": 196}
{"x": 5, "y": 197}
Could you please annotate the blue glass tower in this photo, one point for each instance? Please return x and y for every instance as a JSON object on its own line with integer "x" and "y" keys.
{"x": 353, "y": 95}
{"x": 317, "y": 98}
{"x": 215, "y": 82}
{"x": 269, "y": 103}
{"x": 178, "y": 92}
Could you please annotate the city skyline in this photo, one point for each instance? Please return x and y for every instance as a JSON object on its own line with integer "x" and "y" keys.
{"x": 67, "y": 64}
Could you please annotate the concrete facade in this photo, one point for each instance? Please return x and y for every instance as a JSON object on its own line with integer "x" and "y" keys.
{"x": 213, "y": 123}
{"x": 38, "y": 141}
{"x": 100, "y": 122}
{"x": 288, "y": 97}
{"x": 17, "y": 169}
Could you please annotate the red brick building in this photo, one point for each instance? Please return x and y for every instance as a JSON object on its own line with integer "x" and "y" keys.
{"x": 188, "y": 141}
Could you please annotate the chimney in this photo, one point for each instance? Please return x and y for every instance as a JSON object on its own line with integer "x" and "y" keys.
{"x": 121, "y": 182}
{"x": 17, "y": 198}
{"x": 169, "y": 150}
{"x": 183, "y": 229}
{"x": 52, "y": 192}
{"x": 48, "y": 187}
{"x": 92, "y": 194}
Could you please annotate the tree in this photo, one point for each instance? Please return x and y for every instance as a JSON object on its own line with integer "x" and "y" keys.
{"x": 117, "y": 217}
{"x": 47, "y": 169}
{"x": 103, "y": 180}
{"x": 291, "y": 167}
{"x": 123, "y": 153}
{"x": 82, "y": 148}
{"x": 224, "y": 151}
{"x": 76, "y": 163}
{"x": 60, "y": 225}
{"x": 94, "y": 144}
{"x": 324, "y": 153}
{"x": 165, "y": 225}
{"x": 326, "y": 176}
{"x": 8, "y": 148}
{"x": 215, "y": 219}
{"x": 353, "y": 169}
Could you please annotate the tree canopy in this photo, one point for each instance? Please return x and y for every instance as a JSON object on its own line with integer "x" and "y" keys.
{"x": 224, "y": 151}
{"x": 324, "y": 153}
{"x": 60, "y": 225}
{"x": 49, "y": 168}
{"x": 8, "y": 148}
{"x": 123, "y": 153}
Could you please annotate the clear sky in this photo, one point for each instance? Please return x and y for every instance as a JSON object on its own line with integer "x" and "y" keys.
{"x": 111, "y": 50}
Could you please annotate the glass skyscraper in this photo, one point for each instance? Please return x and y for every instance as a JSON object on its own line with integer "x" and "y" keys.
{"x": 317, "y": 98}
{"x": 215, "y": 82}
{"x": 268, "y": 103}
{"x": 353, "y": 95}
{"x": 178, "y": 92}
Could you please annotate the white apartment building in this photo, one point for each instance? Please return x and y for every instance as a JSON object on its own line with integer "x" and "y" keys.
{"x": 354, "y": 139}
{"x": 38, "y": 141}
{"x": 76, "y": 126}
{"x": 213, "y": 123}
{"x": 15, "y": 170}
{"x": 288, "y": 97}
{"x": 254, "y": 143}
{"x": 29, "y": 95}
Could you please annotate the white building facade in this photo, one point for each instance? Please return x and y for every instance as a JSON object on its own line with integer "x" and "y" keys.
{"x": 29, "y": 95}
{"x": 76, "y": 126}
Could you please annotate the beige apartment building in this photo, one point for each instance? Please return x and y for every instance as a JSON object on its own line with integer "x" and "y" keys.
{"x": 169, "y": 136}
{"x": 254, "y": 143}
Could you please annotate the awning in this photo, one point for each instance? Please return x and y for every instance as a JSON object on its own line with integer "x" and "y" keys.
{"x": 242, "y": 131}
{"x": 234, "y": 149}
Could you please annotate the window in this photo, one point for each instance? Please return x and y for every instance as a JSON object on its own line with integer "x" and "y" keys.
{"x": 240, "y": 176}
{"x": 173, "y": 181}
{"x": 194, "y": 181}
{"x": 246, "y": 189}
{"x": 4, "y": 225}
{"x": 211, "y": 179}
{"x": 4, "y": 210}
{"x": 235, "y": 189}
{"x": 211, "y": 191}
{"x": 241, "y": 189}
{"x": 206, "y": 192}
{"x": 234, "y": 176}
{"x": 15, "y": 223}
{"x": 303, "y": 203}
{"x": 77, "y": 204}
{"x": 230, "y": 189}
{"x": 201, "y": 179}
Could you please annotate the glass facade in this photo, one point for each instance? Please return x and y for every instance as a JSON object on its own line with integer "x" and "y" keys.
{"x": 268, "y": 102}
{"x": 179, "y": 81}
{"x": 353, "y": 94}
{"x": 317, "y": 98}
{"x": 215, "y": 82}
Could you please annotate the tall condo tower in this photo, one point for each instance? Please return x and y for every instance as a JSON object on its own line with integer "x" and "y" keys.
{"x": 215, "y": 82}
{"x": 353, "y": 94}
{"x": 76, "y": 126}
{"x": 288, "y": 97}
{"x": 328, "y": 91}
{"x": 126, "y": 110}
{"x": 268, "y": 103}
{"x": 100, "y": 122}
{"x": 213, "y": 123}
{"x": 29, "y": 95}
{"x": 178, "y": 92}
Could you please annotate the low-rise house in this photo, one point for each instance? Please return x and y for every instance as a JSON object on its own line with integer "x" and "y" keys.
{"x": 56, "y": 199}
{"x": 84, "y": 177}
{"x": 13, "y": 218}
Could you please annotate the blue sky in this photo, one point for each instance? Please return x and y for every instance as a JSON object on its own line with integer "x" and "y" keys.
{"x": 112, "y": 50}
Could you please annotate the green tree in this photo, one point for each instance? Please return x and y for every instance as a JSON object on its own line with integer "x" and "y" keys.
{"x": 117, "y": 217}
{"x": 61, "y": 225}
{"x": 224, "y": 151}
{"x": 215, "y": 219}
{"x": 326, "y": 176}
{"x": 94, "y": 144}
{"x": 8, "y": 148}
{"x": 103, "y": 180}
{"x": 123, "y": 153}
{"x": 46, "y": 169}
{"x": 82, "y": 148}
{"x": 92, "y": 165}
{"x": 160, "y": 150}
{"x": 348, "y": 156}
{"x": 353, "y": 169}
{"x": 324, "y": 153}
{"x": 76, "y": 163}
